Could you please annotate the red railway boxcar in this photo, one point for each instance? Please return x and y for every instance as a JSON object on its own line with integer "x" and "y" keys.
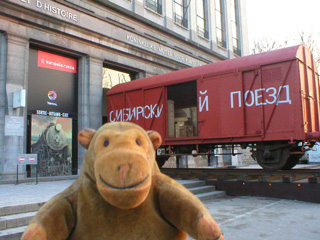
{"x": 269, "y": 101}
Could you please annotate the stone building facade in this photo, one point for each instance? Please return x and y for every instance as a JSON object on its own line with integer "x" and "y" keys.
{"x": 67, "y": 44}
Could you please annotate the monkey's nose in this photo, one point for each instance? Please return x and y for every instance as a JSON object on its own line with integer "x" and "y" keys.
{"x": 124, "y": 170}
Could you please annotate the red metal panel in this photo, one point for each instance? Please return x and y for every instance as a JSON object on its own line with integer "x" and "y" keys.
{"x": 115, "y": 104}
{"x": 252, "y": 99}
{"x": 134, "y": 110}
{"x": 126, "y": 107}
{"x": 258, "y": 103}
{"x": 281, "y": 103}
{"x": 143, "y": 107}
{"x": 155, "y": 117}
{"x": 310, "y": 93}
{"x": 216, "y": 120}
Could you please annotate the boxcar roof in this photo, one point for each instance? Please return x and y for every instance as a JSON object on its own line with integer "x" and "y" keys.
{"x": 226, "y": 66}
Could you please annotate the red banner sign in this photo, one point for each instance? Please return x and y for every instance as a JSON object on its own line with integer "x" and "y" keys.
{"x": 56, "y": 62}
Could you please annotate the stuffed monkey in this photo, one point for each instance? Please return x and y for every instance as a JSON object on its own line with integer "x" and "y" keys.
{"x": 121, "y": 194}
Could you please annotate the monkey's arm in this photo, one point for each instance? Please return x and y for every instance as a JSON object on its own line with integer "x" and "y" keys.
{"x": 54, "y": 220}
{"x": 185, "y": 211}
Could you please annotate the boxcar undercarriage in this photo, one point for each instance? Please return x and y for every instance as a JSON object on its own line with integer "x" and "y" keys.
{"x": 275, "y": 155}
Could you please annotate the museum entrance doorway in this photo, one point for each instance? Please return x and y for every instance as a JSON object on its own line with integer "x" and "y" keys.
{"x": 113, "y": 75}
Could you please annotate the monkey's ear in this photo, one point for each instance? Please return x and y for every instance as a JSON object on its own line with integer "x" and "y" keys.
{"x": 85, "y": 136}
{"x": 155, "y": 139}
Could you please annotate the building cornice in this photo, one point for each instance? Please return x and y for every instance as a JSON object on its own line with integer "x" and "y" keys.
{"x": 152, "y": 24}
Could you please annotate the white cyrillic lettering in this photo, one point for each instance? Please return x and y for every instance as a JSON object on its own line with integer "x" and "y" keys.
{"x": 145, "y": 115}
{"x": 111, "y": 119}
{"x": 130, "y": 114}
{"x": 119, "y": 115}
{"x": 205, "y": 101}
{"x": 246, "y": 98}
{"x": 287, "y": 99}
{"x": 139, "y": 111}
{"x": 273, "y": 95}
{"x": 257, "y": 96}
{"x": 159, "y": 110}
{"x": 125, "y": 115}
{"x": 239, "y": 98}
{"x": 152, "y": 112}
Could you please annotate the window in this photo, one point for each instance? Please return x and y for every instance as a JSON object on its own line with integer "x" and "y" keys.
{"x": 180, "y": 12}
{"x": 111, "y": 77}
{"x": 220, "y": 27}
{"x": 202, "y": 24}
{"x": 154, "y": 5}
{"x": 182, "y": 110}
{"x": 235, "y": 29}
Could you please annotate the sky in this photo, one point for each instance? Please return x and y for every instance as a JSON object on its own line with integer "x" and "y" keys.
{"x": 282, "y": 19}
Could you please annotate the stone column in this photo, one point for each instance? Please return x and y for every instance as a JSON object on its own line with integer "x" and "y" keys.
{"x": 95, "y": 93}
{"x": 3, "y": 74}
{"x": 16, "y": 79}
{"x": 90, "y": 98}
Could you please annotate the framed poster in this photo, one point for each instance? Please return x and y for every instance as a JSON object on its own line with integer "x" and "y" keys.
{"x": 51, "y": 139}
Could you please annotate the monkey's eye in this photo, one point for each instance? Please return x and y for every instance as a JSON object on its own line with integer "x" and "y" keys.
{"x": 138, "y": 142}
{"x": 106, "y": 143}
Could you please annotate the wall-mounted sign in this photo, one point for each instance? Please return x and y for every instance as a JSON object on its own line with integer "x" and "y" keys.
{"x": 163, "y": 50}
{"x": 13, "y": 126}
{"x": 52, "y": 114}
{"x": 19, "y": 98}
{"x": 50, "y": 8}
{"x": 56, "y": 62}
{"x": 27, "y": 159}
{"x": 52, "y": 84}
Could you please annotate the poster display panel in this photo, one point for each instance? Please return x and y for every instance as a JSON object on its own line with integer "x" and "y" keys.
{"x": 52, "y": 110}
{"x": 52, "y": 83}
{"x": 51, "y": 139}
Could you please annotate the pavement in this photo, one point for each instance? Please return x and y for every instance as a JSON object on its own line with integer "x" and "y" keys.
{"x": 240, "y": 218}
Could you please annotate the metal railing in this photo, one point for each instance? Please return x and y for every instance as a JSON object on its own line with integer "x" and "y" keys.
{"x": 154, "y": 5}
{"x": 180, "y": 20}
{"x": 202, "y": 32}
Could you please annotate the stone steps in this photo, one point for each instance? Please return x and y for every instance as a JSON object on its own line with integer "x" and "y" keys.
{"x": 14, "y": 219}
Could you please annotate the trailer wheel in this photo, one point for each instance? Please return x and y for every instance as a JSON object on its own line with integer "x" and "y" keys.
{"x": 161, "y": 160}
{"x": 275, "y": 159}
{"x": 292, "y": 161}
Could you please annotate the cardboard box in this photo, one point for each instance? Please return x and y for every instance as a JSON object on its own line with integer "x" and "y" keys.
{"x": 176, "y": 130}
{"x": 171, "y": 127}
{"x": 183, "y": 123}
{"x": 183, "y": 131}
{"x": 194, "y": 120}
{"x": 190, "y": 131}
{"x": 181, "y": 119}
{"x": 183, "y": 112}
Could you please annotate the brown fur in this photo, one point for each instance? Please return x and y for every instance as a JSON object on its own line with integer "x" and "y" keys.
{"x": 121, "y": 194}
